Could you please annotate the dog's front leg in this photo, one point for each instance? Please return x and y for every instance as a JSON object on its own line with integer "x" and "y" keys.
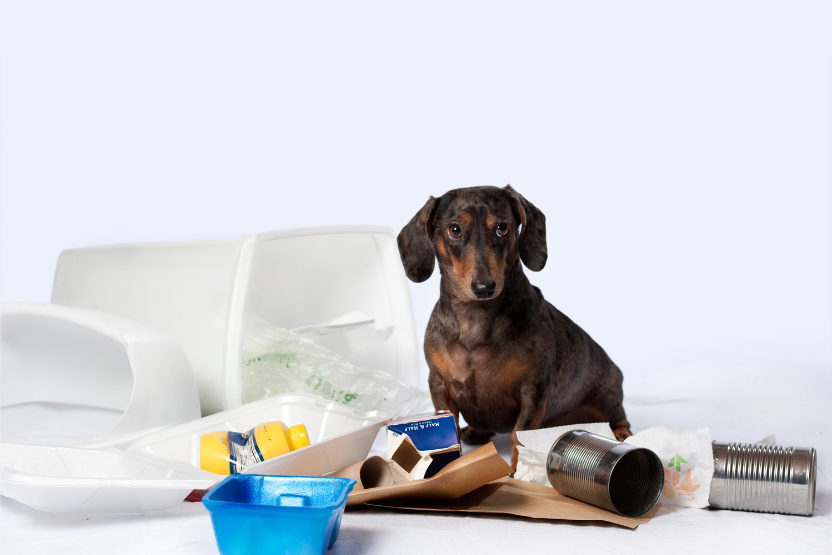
{"x": 532, "y": 411}
{"x": 441, "y": 396}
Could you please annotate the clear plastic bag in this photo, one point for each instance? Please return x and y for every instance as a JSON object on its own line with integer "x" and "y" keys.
{"x": 277, "y": 360}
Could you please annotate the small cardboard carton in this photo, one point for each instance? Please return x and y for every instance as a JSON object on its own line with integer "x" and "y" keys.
{"x": 420, "y": 446}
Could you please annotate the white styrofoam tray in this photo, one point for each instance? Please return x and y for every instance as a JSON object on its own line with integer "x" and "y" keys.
{"x": 71, "y": 479}
{"x": 199, "y": 292}
{"x": 339, "y": 435}
{"x": 86, "y": 378}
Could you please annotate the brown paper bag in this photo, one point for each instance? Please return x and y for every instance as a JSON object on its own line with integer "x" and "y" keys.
{"x": 461, "y": 476}
{"x": 519, "y": 498}
{"x": 474, "y": 483}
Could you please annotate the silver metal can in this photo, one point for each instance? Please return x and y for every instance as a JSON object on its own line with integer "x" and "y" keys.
{"x": 607, "y": 473}
{"x": 764, "y": 478}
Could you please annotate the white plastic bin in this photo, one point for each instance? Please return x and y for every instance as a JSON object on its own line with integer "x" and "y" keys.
{"x": 76, "y": 376}
{"x": 199, "y": 291}
{"x": 67, "y": 479}
{"x": 339, "y": 435}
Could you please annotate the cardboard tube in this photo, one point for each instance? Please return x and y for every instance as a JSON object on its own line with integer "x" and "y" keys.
{"x": 371, "y": 473}
{"x": 461, "y": 476}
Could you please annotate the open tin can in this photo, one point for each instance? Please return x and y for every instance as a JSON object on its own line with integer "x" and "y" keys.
{"x": 609, "y": 474}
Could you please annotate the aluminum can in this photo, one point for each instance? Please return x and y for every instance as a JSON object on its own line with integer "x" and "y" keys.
{"x": 609, "y": 474}
{"x": 764, "y": 478}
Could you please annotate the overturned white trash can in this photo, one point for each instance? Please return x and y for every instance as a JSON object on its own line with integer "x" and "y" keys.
{"x": 200, "y": 293}
{"x": 80, "y": 377}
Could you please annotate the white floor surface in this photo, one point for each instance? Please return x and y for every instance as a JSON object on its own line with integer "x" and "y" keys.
{"x": 740, "y": 403}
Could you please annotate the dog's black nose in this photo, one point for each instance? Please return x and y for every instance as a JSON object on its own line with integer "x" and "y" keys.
{"x": 483, "y": 290}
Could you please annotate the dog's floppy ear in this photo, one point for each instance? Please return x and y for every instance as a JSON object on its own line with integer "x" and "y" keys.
{"x": 416, "y": 246}
{"x": 532, "y": 245}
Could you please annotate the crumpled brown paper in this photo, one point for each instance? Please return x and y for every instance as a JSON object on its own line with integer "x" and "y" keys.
{"x": 474, "y": 483}
{"x": 516, "y": 497}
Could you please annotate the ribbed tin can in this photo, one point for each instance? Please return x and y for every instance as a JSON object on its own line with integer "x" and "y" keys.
{"x": 764, "y": 478}
{"x": 607, "y": 473}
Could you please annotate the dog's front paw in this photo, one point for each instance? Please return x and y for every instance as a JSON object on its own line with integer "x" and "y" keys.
{"x": 622, "y": 433}
{"x": 473, "y": 437}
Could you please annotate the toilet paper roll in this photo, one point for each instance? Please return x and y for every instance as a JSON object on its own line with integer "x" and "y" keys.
{"x": 370, "y": 473}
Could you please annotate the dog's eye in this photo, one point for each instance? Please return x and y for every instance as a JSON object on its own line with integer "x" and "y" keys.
{"x": 455, "y": 231}
{"x": 502, "y": 229}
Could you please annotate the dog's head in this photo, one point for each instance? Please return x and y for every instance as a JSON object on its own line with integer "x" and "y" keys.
{"x": 476, "y": 233}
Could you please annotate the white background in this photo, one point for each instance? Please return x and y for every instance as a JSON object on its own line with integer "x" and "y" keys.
{"x": 681, "y": 152}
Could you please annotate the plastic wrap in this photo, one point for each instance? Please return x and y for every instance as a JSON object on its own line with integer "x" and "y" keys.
{"x": 277, "y": 360}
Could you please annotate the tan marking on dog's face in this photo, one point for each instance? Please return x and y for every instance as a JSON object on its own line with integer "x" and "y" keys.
{"x": 478, "y": 254}
{"x": 497, "y": 268}
{"x": 462, "y": 266}
{"x": 463, "y": 269}
{"x": 459, "y": 269}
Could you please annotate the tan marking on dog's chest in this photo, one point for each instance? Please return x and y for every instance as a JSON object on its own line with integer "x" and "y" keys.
{"x": 494, "y": 371}
{"x": 451, "y": 361}
{"x": 512, "y": 370}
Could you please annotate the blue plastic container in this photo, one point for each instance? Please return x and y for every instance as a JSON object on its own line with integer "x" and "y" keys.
{"x": 266, "y": 515}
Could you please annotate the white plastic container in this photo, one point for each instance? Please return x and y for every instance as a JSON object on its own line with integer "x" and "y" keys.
{"x": 339, "y": 435}
{"x": 75, "y": 376}
{"x": 199, "y": 292}
{"x": 67, "y": 479}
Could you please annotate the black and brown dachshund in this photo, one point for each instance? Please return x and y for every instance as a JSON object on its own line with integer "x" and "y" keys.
{"x": 498, "y": 352}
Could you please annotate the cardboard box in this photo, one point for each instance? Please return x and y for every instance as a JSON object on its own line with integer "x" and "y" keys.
{"x": 420, "y": 446}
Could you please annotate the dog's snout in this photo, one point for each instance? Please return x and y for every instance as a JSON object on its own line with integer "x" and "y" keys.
{"x": 484, "y": 289}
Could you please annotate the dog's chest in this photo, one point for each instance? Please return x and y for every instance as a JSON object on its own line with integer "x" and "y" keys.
{"x": 478, "y": 370}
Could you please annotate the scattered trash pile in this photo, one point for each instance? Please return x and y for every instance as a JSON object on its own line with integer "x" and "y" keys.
{"x": 255, "y": 374}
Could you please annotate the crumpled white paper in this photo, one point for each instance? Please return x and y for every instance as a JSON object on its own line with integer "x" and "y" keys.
{"x": 531, "y": 463}
{"x": 688, "y": 460}
{"x": 770, "y": 439}
{"x": 686, "y": 455}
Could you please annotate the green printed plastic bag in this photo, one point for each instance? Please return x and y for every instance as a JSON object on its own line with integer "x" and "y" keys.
{"x": 277, "y": 360}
